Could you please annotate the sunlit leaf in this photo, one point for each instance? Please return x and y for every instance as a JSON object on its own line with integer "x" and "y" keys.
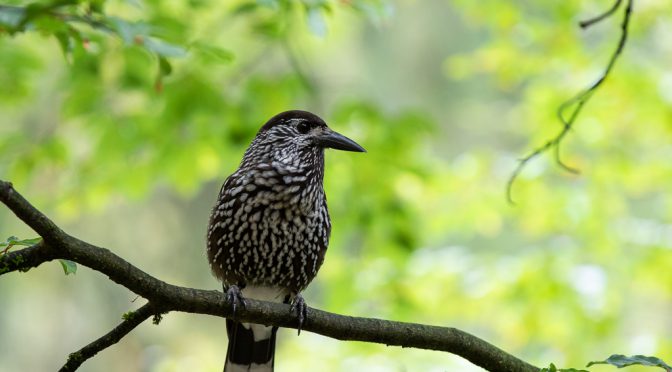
{"x": 212, "y": 52}
{"x": 13, "y": 240}
{"x": 163, "y": 48}
{"x": 621, "y": 361}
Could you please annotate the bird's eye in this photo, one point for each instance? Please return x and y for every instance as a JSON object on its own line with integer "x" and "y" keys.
{"x": 303, "y": 127}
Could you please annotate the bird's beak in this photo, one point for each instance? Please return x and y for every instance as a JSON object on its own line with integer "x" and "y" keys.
{"x": 330, "y": 139}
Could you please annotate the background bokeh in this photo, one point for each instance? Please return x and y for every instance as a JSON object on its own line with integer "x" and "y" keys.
{"x": 444, "y": 95}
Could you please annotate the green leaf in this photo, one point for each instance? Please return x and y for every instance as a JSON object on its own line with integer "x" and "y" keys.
{"x": 163, "y": 48}
{"x": 69, "y": 267}
{"x": 128, "y": 315}
{"x": 165, "y": 68}
{"x": 13, "y": 240}
{"x": 553, "y": 368}
{"x": 621, "y": 361}
{"x": 271, "y": 28}
{"x": 212, "y": 52}
{"x": 130, "y": 32}
{"x": 28, "y": 242}
{"x": 64, "y": 42}
{"x": 245, "y": 8}
{"x": 48, "y": 25}
{"x": 96, "y": 6}
{"x": 10, "y": 241}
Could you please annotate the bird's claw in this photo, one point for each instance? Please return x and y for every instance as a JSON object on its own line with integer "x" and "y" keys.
{"x": 299, "y": 306}
{"x": 235, "y": 297}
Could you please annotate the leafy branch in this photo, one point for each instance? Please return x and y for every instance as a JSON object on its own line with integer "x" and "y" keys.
{"x": 61, "y": 19}
{"x": 68, "y": 266}
{"x": 13, "y": 241}
{"x": 570, "y": 109}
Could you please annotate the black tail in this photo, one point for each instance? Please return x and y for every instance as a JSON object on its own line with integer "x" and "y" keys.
{"x": 246, "y": 354}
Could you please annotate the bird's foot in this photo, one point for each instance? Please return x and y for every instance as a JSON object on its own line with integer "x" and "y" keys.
{"x": 235, "y": 297}
{"x": 299, "y": 306}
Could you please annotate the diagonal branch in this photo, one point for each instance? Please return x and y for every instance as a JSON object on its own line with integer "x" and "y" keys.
{"x": 167, "y": 297}
{"x": 131, "y": 320}
{"x": 574, "y": 105}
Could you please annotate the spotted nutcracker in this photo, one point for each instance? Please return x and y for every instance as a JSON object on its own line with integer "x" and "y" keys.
{"x": 269, "y": 229}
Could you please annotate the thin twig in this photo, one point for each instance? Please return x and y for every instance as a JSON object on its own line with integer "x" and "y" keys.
{"x": 575, "y": 104}
{"x": 168, "y": 297}
{"x": 131, "y": 320}
{"x": 589, "y": 22}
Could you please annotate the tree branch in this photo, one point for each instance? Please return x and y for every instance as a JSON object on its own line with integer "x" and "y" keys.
{"x": 166, "y": 297}
{"x": 131, "y": 320}
{"x": 576, "y": 103}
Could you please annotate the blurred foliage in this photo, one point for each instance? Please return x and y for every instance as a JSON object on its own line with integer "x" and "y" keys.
{"x": 121, "y": 119}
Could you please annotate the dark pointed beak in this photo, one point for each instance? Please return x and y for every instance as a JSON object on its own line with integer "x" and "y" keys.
{"x": 334, "y": 140}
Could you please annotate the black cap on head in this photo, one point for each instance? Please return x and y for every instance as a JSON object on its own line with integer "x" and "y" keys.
{"x": 286, "y": 116}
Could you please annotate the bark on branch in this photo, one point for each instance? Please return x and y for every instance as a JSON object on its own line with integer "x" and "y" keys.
{"x": 163, "y": 298}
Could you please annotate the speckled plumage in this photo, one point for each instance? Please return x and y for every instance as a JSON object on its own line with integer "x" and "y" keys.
{"x": 270, "y": 226}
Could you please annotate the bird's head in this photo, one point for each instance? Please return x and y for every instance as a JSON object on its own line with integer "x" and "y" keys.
{"x": 296, "y": 137}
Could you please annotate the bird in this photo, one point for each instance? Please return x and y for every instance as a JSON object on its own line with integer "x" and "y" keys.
{"x": 269, "y": 228}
